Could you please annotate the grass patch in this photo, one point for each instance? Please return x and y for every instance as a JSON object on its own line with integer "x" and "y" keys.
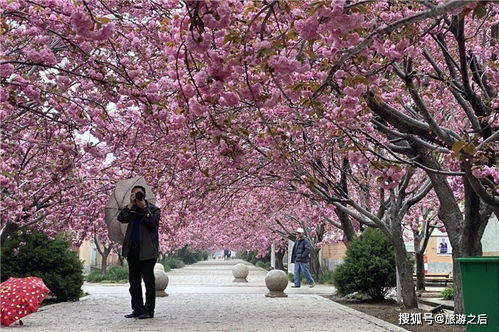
{"x": 115, "y": 274}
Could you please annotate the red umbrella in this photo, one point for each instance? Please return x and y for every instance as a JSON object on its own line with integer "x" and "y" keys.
{"x": 20, "y": 297}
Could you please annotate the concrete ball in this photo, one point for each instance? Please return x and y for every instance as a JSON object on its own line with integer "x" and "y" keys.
{"x": 240, "y": 272}
{"x": 161, "y": 282}
{"x": 276, "y": 280}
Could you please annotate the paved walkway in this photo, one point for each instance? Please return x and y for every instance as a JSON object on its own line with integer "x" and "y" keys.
{"x": 202, "y": 297}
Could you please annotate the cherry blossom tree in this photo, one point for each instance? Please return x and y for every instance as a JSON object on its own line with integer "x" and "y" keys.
{"x": 368, "y": 70}
{"x": 210, "y": 100}
{"x": 422, "y": 220}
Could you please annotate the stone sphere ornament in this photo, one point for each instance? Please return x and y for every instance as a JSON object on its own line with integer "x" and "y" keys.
{"x": 276, "y": 281}
{"x": 240, "y": 272}
{"x": 161, "y": 280}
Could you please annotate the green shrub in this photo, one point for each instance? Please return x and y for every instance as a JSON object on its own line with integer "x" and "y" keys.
{"x": 250, "y": 256}
{"x": 191, "y": 256}
{"x": 198, "y": 255}
{"x": 172, "y": 263}
{"x": 95, "y": 276}
{"x": 117, "y": 274}
{"x": 325, "y": 278}
{"x": 165, "y": 265}
{"x": 369, "y": 266}
{"x": 263, "y": 265}
{"x": 448, "y": 292}
{"x": 30, "y": 253}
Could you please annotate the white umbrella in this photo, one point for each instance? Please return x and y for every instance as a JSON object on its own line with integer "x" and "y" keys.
{"x": 118, "y": 200}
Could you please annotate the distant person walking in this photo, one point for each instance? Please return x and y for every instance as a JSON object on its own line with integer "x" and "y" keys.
{"x": 300, "y": 256}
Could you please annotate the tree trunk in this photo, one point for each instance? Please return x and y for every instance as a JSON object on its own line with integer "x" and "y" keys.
{"x": 121, "y": 259}
{"x": 279, "y": 255}
{"x": 345, "y": 220}
{"x": 421, "y": 239}
{"x": 456, "y": 274}
{"x": 104, "y": 256}
{"x": 405, "y": 271}
{"x": 477, "y": 215}
{"x": 117, "y": 250}
{"x": 476, "y": 218}
{"x": 103, "y": 252}
{"x": 420, "y": 281}
{"x": 404, "y": 265}
{"x": 347, "y": 226}
{"x": 315, "y": 265}
{"x": 465, "y": 234}
{"x": 450, "y": 214}
{"x": 8, "y": 229}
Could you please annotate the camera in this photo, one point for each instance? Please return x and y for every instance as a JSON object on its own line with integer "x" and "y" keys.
{"x": 140, "y": 195}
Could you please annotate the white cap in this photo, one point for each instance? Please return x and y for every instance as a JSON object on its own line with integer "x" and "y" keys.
{"x": 300, "y": 230}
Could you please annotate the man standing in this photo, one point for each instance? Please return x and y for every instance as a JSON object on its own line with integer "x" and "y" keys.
{"x": 300, "y": 256}
{"x": 140, "y": 247}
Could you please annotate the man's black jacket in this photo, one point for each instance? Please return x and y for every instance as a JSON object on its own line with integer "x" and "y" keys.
{"x": 149, "y": 223}
{"x": 301, "y": 250}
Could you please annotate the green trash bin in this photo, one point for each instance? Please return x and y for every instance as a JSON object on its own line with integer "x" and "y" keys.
{"x": 480, "y": 285}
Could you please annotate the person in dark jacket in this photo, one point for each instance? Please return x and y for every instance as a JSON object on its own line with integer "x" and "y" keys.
{"x": 300, "y": 256}
{"x": 140, "y": 247}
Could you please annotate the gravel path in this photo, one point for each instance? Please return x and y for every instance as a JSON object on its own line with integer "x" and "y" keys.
{"x": 202, "y": 297}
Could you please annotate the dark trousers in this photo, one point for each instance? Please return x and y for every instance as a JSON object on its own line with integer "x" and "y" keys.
{"x": 138, "y": 270}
